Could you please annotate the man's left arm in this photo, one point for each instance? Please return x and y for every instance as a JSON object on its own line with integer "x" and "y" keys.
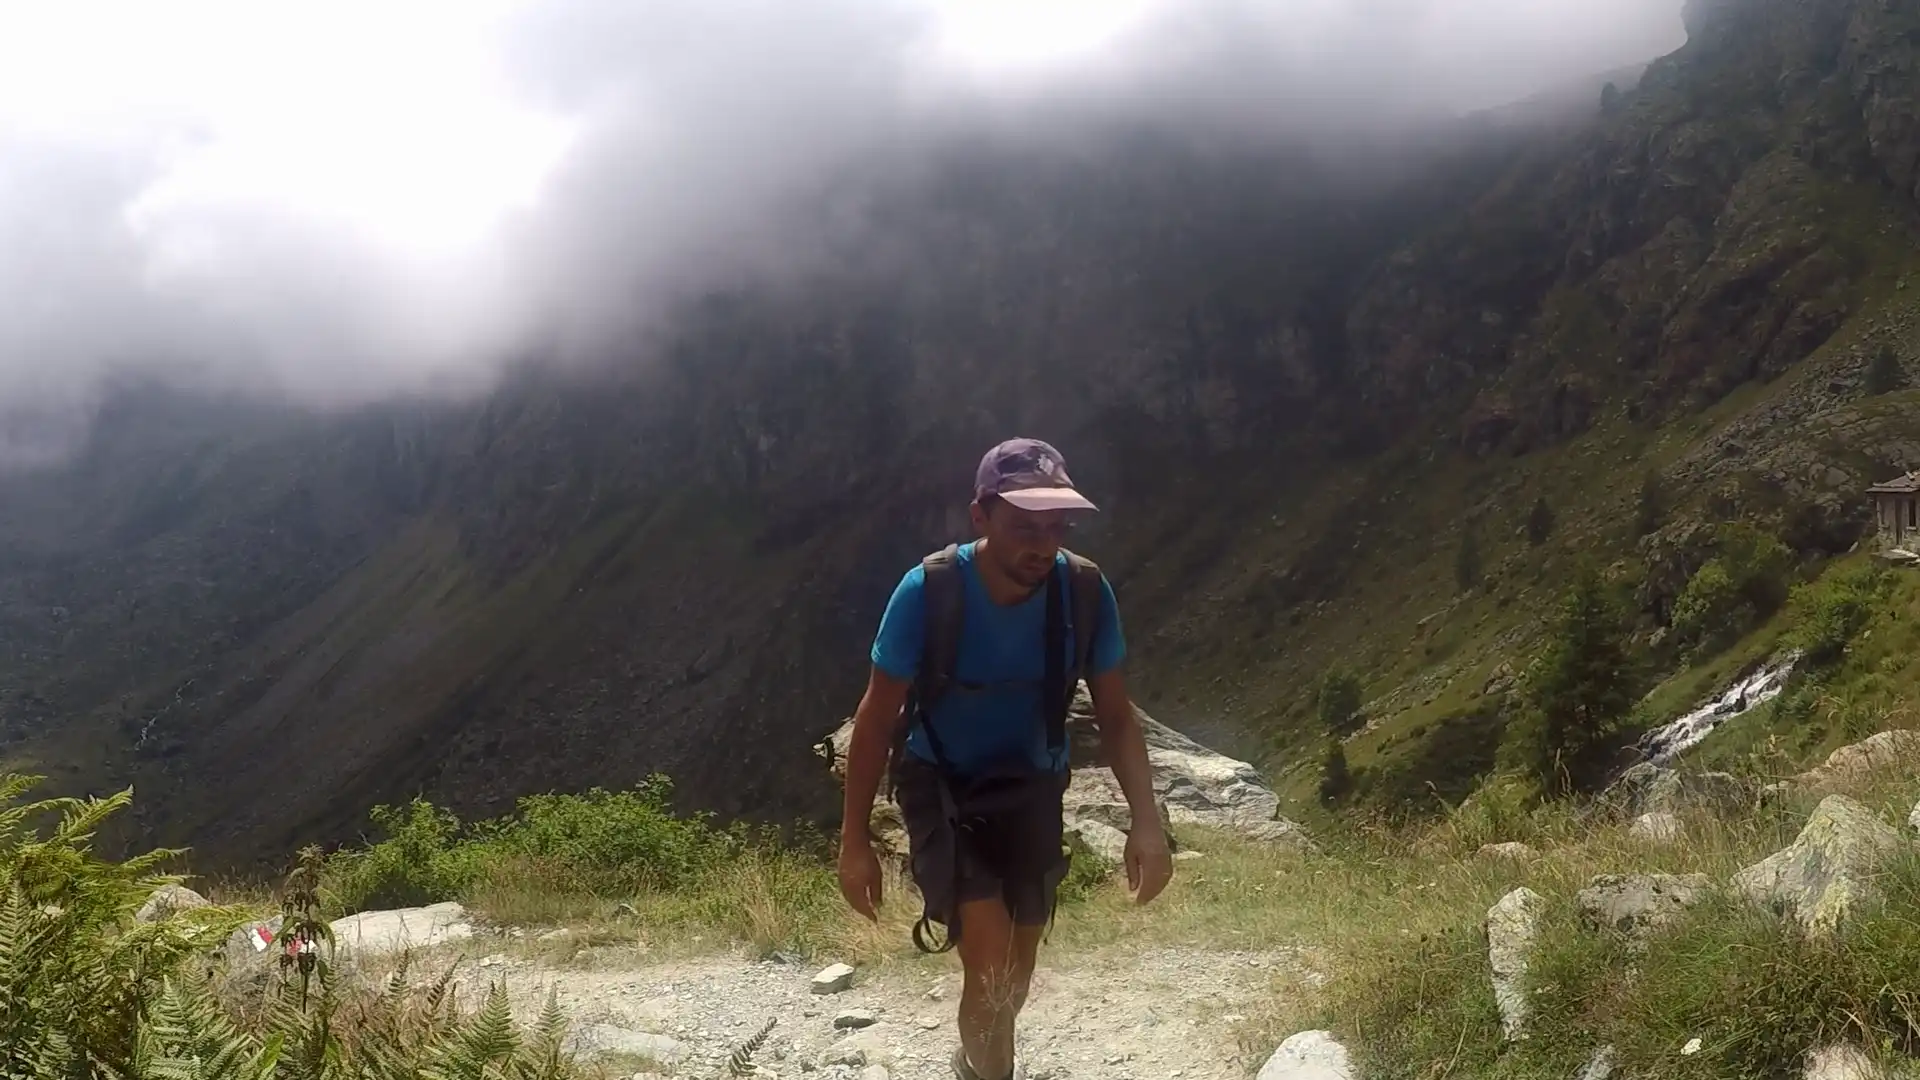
{"x": 1124, "y": 746}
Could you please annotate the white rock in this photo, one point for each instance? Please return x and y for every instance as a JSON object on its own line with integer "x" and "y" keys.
{"x": 606, "y": 1039}
{"x": 1831, "y": 868}
{"x": 856, "y": 1018}
{"x": 1840, "y": 1063}
{"x": 1659, "y": 826}
{"x": 1511, "y": 926}
{"x": 1309, "y": 1055}
{"x": 1599, "y": 1066}
{"x": 167, "y": 900}
{"x": 372, "y": 932}
{"x": 874, "y": 1072}
{"x": 833, "y": 980}
{"x": 1101, "y": 839}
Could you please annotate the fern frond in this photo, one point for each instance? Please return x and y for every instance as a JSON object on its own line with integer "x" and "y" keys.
{"x": 472, "y": 1050}
{"x": 740, "y": 1062}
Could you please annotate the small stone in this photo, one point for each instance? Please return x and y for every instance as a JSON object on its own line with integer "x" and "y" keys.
{"x": 833, "y": 980}
{"x": 856, "y": 1018}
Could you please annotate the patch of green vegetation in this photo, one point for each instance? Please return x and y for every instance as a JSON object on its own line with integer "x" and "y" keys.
{"x": 1744, "y": 583}
{"x": 1830, "y": 612}
{"x": 86, "y": 989}
{"x": 601, "y": 843}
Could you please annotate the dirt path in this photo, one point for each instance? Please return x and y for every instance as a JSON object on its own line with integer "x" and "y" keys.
{"x": 1146, "y": 1014}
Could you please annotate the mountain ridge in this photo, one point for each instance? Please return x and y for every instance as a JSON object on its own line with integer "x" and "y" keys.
{"x": 1292, "y": 395}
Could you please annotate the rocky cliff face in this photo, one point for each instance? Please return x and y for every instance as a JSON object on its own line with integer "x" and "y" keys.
{"x": 1291, "y": 390}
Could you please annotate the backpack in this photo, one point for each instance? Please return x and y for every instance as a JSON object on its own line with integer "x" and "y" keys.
{"x": 945, "y": 614}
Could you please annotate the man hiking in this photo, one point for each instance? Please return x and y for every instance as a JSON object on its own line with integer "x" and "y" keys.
{"x": 973, "y": 668}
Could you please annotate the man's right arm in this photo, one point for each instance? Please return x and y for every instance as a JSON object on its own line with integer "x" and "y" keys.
{"x": 873, "y": 729}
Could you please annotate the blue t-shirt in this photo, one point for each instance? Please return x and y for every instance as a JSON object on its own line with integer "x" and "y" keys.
{"x": 998, "y": 715}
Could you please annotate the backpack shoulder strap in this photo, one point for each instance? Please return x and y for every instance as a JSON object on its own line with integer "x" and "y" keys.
{"x": 1085, "y": 580}
{"x": 944, "y": 603}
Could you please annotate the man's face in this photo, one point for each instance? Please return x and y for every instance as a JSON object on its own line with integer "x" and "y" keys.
{"x": 1022, "y": 543}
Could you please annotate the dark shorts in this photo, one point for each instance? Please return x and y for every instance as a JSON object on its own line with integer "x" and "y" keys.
{"x": 1008, "y": 845}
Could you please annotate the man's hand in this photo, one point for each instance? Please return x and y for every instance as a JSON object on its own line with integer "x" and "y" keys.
{"x": 873, "y": 726}
{"x": 1149, "y": 862}
{"x": 860, "y": 877}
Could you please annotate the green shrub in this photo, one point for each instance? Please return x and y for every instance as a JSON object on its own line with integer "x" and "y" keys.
{"x": 1578, "y": 690}
{"x": 1339, "y": 700}
{"x": 76, "y": 970}
{"x": 1830, "y": 611}
{"x": 1884, "y": 374}
{"x": 600, "y": 842}
{"x": 1539, "y": 522}
{"x": 1743, "y": 584}
{"x": 1336, "y": 782}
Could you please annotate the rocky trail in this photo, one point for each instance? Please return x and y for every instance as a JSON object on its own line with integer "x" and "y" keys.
{"x": 1110, "y": 1014}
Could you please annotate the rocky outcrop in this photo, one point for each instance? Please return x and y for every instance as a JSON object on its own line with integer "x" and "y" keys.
{"x": 1651, "y": 789}
{"x": 1828, "y": 871}
{"x": 372, "y": 933}
{"x": 1853, "y": 767}
{"x": 1192, "y": 785}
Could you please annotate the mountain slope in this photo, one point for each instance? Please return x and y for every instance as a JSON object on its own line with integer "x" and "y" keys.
{"x": 1293, "y": 392}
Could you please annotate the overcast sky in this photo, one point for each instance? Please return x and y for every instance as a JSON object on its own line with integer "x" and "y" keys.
{"x": 348, "y": 199}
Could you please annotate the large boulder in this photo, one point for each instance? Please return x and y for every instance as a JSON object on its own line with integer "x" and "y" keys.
{"x": 1828, "y": 870}
{"x": 1633, "y": 904}
{"x": 1192, "y": 784}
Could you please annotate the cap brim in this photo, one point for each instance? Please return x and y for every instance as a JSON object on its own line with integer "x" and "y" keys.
{"x": 1042, "y": 499}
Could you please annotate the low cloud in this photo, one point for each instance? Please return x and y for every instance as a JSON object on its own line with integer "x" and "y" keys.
{"x": 344, "y": 201}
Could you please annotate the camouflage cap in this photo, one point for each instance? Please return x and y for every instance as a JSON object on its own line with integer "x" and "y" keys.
{"x": 1030, "y": 474}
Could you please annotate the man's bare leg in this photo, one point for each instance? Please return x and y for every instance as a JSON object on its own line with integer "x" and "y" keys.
{"x": 998, "y": 958}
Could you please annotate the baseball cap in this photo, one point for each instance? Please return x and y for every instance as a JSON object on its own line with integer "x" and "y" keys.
{"x": 1030, "y": 474}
